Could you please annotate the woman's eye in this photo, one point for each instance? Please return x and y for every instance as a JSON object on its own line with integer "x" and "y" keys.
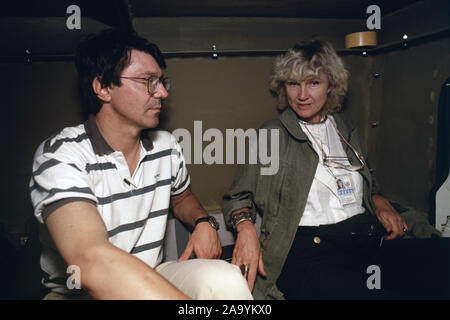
{"x": 315, "y": 83}
{"x": 291, "y": 83}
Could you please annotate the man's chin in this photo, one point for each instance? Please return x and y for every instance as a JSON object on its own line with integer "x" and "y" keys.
{"x": 154, "y": 123}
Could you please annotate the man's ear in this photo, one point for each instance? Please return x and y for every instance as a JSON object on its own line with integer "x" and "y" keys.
{"x": 102, "y": 92}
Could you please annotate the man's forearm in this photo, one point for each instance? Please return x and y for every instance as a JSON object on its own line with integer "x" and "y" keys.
{"x": 107, "y": 272}
{"x": 187, "y": 208}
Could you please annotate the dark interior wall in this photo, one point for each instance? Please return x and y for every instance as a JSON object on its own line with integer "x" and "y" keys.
{"x": 38, "y": 99}
{"x": 406, "y": 135}
{"x": 404, "y": 102}
{"x": 217, "y": 93}
{"x": 242, "y": 33}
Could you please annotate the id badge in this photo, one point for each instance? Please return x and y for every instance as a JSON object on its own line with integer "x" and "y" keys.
{"x": 346, "y": 189}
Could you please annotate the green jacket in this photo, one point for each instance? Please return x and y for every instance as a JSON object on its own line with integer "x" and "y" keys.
{"x": 280, "y": 199}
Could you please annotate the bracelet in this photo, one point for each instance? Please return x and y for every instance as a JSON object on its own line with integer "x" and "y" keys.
{"x": 241, "y": 217}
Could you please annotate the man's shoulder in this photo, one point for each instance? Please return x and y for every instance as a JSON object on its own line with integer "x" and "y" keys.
{"x": 66, "y": 141}
{"x": 161, "y": 139}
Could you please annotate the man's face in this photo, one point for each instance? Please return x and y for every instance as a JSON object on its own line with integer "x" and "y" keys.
{"x": 131, "y": 100}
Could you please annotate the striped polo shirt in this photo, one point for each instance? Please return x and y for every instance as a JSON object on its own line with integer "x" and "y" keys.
{"x": 77, "y": 164}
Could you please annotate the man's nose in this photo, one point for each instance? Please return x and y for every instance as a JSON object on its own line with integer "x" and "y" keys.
{"x": 161, "y": 92}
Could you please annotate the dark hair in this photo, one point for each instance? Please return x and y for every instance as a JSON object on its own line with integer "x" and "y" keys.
{"x": 105, "y": 56}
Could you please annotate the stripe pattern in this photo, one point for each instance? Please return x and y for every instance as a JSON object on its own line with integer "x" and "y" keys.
{"x": 134, "y": 208}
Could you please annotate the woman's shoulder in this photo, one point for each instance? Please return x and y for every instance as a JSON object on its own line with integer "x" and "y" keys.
{"x": 345, "y": 118}
{"x": 272, "y": 124}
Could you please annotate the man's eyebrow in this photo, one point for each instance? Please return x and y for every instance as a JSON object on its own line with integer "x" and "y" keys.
{"x": 149, "y": 74}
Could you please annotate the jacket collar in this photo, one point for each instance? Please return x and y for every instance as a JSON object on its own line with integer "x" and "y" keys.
{"x": 290, "y": 121}
{"x": 99, "y": 144}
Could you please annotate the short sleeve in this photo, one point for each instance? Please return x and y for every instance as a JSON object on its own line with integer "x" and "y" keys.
{"x": 180, "y": 176}
{"x": 57, "y": 177}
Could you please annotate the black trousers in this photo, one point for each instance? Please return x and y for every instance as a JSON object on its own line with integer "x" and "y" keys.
{"x": 331, "y": 261}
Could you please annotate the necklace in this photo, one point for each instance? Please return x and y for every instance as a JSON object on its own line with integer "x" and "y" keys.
{"x": 339, "y": 182}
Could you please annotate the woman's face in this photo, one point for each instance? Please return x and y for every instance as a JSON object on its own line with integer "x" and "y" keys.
{"x": 307, "y": 97}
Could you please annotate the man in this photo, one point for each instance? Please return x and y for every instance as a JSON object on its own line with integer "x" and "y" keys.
{"x": 102, "y": 190}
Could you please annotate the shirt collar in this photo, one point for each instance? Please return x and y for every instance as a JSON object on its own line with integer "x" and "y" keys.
{"x": 99, "y": 144}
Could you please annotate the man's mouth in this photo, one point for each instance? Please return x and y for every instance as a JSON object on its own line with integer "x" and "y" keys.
{"x": 155, "y": 106}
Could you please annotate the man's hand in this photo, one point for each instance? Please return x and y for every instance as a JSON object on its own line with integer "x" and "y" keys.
{"x": 204, "y": 242}
{"x": 247, "y": 252}
{"x": 392, "y": 221}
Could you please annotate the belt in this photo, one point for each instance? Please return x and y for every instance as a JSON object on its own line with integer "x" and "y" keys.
{"x": 359, "y": 226}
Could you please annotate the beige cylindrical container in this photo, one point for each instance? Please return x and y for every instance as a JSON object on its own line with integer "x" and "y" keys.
{"x": 361, "y": 39}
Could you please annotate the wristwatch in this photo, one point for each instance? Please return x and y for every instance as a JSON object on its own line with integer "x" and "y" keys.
{"x": 212, "y": 221}
{"x": 241, "y": 217}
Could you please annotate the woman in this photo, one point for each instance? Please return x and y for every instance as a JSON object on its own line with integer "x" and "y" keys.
{"x": 318, "y": 211}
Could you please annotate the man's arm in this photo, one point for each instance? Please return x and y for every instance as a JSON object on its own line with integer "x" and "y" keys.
{"x": 107, "y": 272}
{"x": 392, "y": 221}
{"x": 204, "y": 241}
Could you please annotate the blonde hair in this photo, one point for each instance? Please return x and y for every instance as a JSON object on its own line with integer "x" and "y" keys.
{"x": 308, "y": 58}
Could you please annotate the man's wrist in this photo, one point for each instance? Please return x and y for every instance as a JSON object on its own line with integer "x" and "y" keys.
{"x": 209, "y": 219}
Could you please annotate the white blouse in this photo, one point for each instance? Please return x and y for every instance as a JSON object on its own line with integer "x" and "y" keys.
{"x": 326, "y": 204}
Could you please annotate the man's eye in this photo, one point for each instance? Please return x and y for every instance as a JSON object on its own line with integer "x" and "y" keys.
{"x": 291, "y": 83}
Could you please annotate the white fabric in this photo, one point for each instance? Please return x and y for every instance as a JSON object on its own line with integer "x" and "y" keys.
{"x": 66, "y": 166}
{"x": 323, "y": 205}
{"x": 205, "y": 279}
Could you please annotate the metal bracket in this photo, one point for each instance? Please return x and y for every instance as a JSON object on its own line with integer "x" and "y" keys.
{"x": 215, "y": 55}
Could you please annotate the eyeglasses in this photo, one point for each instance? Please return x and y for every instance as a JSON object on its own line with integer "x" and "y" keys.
{"x": 333, "y": 161}
{"x": 339, "y": 162}
{"x": 152, "y": 83}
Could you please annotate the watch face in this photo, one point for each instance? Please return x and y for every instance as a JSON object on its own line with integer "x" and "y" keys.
{"x": 214, "y": 223}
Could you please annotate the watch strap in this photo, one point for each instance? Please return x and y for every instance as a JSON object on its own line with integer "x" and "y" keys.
{"x": 211, "y": 220}
{"x": 241, "y": 217}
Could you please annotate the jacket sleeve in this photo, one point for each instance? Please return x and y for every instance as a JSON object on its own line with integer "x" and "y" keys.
{"x": 242, "y": 191}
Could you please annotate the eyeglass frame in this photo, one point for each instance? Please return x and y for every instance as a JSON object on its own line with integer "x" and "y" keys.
{"x": 328, "y": 160}
{"x": 155, "y": 84}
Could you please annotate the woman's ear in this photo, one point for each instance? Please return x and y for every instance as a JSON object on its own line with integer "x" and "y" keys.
{"x": 102, "y": 92}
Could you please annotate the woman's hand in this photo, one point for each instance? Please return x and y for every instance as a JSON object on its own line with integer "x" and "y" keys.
{"x": 392, "y": 221}
{"x": 247, "y": 252}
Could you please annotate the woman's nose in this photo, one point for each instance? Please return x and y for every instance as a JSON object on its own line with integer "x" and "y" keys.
{"x": 303, "y": 94}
